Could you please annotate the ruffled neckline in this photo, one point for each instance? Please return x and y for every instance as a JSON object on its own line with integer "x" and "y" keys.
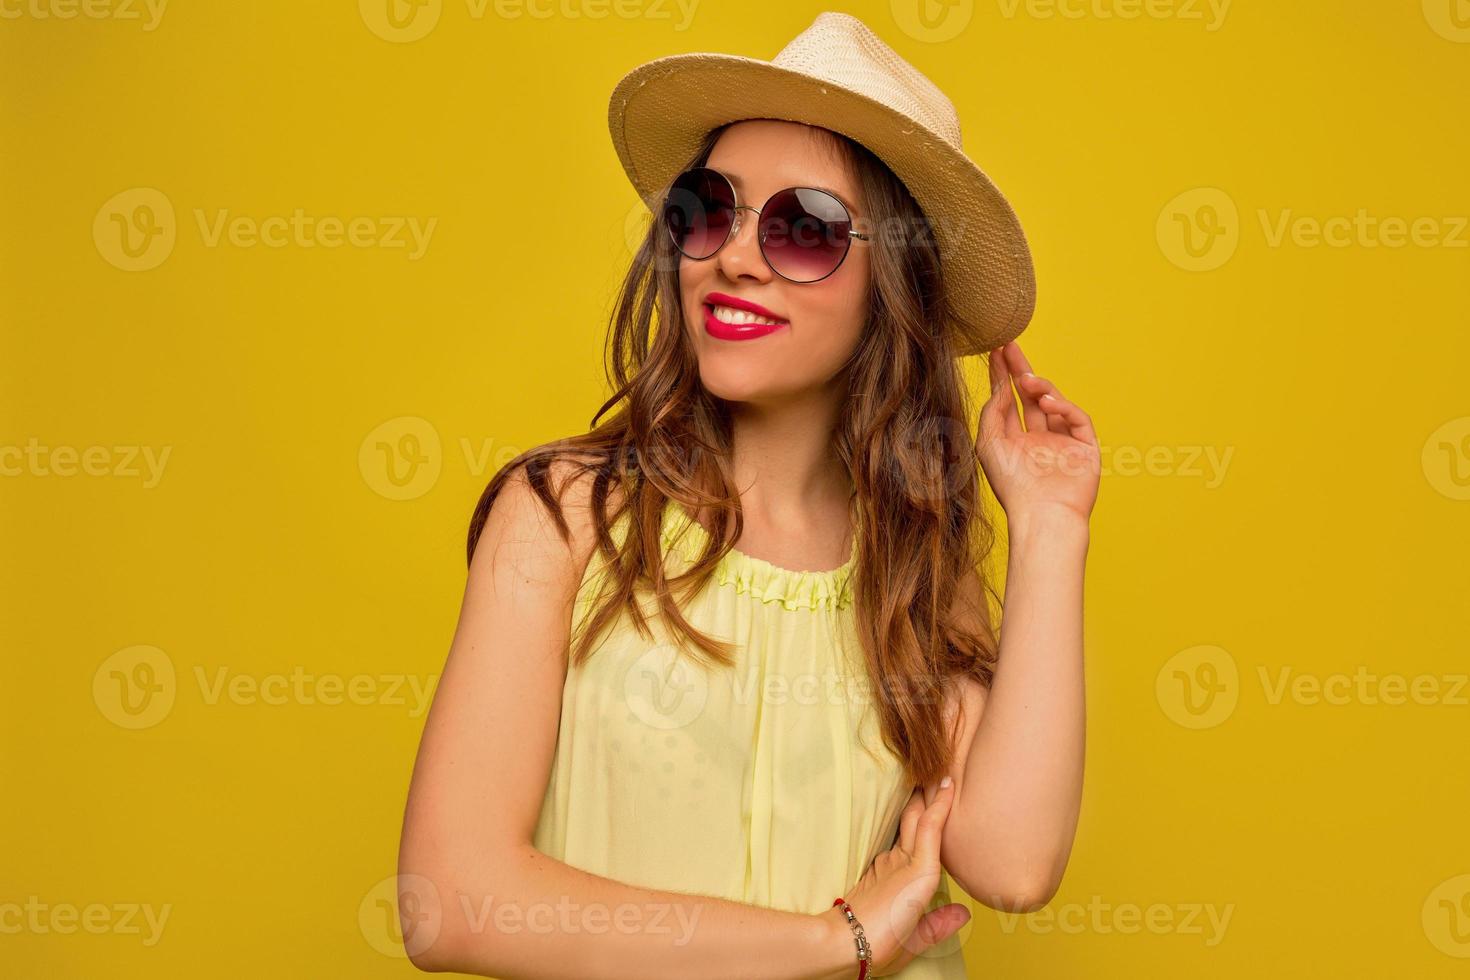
{"x": 756, "y": 577}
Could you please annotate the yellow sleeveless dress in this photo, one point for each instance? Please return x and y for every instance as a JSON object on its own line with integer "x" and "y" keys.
{"x": 767, "y": 783}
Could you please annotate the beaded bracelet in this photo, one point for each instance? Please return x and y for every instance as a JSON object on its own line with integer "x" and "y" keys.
{"x": 864, "y": 951}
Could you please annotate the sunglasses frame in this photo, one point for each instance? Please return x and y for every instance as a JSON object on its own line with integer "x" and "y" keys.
{"x": 760, "y": 236}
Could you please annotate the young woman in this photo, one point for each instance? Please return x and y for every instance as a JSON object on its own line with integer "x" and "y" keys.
{"x": 726, "y": 696}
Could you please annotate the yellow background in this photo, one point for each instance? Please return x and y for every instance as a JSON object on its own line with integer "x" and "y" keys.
{"x": 1329, "y": 382}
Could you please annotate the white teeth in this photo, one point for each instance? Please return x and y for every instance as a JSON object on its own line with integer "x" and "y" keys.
{"x": 727, "y": 315}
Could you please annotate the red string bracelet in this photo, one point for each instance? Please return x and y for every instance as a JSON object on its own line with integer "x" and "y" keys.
{"x": 864, "y": 951}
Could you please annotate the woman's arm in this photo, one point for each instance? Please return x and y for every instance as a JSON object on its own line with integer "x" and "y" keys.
{"x": 1019, "y": 757}
{"x": 476, "y": 897}
{"x": 1019, "y": 753}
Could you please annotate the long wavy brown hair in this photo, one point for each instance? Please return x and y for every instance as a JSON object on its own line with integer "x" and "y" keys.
{"x": 903, "y": 435}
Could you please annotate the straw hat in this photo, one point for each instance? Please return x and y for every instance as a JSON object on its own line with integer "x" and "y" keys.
{"x": 838, "y": 75}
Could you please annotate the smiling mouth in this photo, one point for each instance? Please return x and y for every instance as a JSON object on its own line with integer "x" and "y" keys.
{"x": 726, "y": 323}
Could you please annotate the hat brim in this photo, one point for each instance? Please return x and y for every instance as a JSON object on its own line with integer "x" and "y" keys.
{"x": 660, "y": 112}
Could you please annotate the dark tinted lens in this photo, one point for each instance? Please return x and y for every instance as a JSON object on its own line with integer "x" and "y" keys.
{"x": 698, "y": 212}
{"x": 804, "y": 233}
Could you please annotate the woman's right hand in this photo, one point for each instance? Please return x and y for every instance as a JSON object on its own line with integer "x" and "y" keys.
{"x": 890, "y": 899}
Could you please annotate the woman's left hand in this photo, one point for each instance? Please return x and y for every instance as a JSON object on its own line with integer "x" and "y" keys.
{"x": 1056, "y": 461}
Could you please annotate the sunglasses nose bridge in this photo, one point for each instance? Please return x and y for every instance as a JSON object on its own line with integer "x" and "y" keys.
{"x": 736, "y": 222}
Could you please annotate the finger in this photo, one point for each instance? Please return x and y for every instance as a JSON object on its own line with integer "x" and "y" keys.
{"x": 995, "y": 403}
{"x": 932, "y": 929}
{"x": 931, "y": 824}
{"x": 997, "y": 419}
{"x": 1077, "y": 422}
{"x": 994, "y": 364}
{"x": 937, "y": 926}
{"x": 1055, "y": 423}
{"x": 908, "y": 822}
{"x": 1041, "y": 387}
{"x": 1003, "y": 396}
{"x": 1021, "y": 368}
{"x": 1016, "y": 358}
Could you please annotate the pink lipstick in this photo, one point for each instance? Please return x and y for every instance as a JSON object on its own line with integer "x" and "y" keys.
{"x": 738, "y": 331}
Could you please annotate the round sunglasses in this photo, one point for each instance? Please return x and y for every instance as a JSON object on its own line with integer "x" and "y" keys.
{"x": 804, "y": 232}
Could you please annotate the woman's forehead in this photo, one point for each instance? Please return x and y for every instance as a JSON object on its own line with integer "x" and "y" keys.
{"x": 760, "y": 158}
{"x": 763, "y": 183}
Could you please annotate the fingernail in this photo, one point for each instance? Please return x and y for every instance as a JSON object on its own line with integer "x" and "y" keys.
{"x": 944, "y": 783}
{"x": 1028, "y": 374}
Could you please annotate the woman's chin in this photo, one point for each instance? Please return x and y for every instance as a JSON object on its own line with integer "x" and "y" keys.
{"x": 748, "y": 382}
{"x": 737, "y": 389}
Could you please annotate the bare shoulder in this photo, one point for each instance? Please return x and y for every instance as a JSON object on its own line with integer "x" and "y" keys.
{"x": 521, "y": 539}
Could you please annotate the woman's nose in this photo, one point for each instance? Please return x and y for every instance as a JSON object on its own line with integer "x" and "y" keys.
{"x": 741, "y": 255}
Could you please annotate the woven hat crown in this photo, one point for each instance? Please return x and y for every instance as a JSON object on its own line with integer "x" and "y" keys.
{"x": 841, "y": 49}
